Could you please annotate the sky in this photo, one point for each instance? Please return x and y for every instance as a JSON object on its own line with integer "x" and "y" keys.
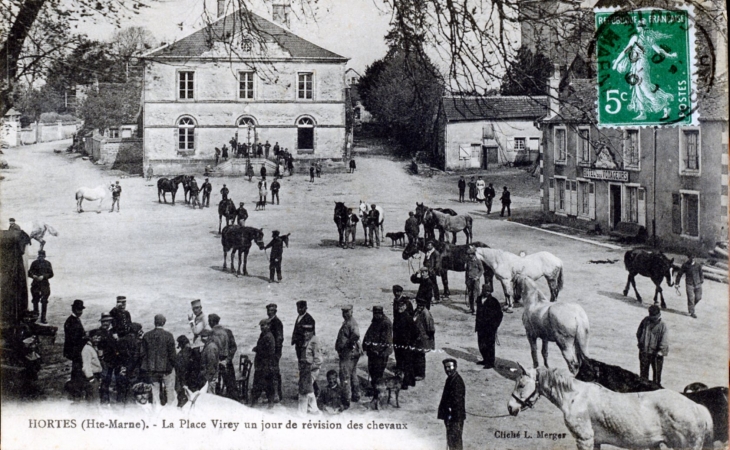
{"x": 351, "y": 28}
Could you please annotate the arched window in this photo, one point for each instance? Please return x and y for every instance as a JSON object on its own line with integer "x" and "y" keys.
{"x": 186, "y": 135}
{"x": 305, "y": 133}
{"x": 246, "y": 121}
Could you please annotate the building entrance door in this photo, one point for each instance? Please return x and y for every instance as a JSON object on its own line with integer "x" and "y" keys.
{"x": 489, "y": 156}
{"x": 615, "y": 204}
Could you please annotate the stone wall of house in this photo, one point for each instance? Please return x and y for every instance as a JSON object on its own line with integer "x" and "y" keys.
{"x": 122, "y": 154}
{"x": 466, "y": 134}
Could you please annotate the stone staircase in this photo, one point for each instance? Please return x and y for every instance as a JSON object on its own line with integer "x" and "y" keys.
{"x": 237, "y": 167}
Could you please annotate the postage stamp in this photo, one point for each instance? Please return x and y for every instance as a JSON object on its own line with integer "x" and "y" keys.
{"x": 645, "y": 67}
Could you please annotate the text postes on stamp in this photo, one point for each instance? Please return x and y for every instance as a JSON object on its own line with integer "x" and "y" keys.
{"x": 645, "y": 66}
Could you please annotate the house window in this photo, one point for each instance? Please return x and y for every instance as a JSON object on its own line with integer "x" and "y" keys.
{"x": 114, "y": 133}
{"x": 560, "y": 186}
{"x": 245, "y": 85}
{"x": 305, "y": 87}
{"x": 690, "y": 152}
{"x": 560, "y": 149}
{"x": 584, "y": 146}
{"x": 186, "y": 135}
{"x": 584, "y": 190}
{"x": 186, "y": 85}
{"x": 519, "y": 144}
{"x": 632, "y": 204}
{"x": 632, "y": 153}
{"x": 305, "y": 134}
{"x": 690, "y": 213}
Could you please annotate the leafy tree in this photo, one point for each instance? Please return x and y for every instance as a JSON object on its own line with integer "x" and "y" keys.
{"x": 528, "y": 74}
{"x": 111, "y": 106}
{"x": 33, "y": 102}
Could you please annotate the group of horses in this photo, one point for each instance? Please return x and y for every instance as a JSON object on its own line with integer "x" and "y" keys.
{"x": 366, "y": 219}
{"x": 171, "y": 185}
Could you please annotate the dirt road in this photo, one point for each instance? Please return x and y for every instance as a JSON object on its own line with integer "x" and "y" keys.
{"x": 162, "y": 257}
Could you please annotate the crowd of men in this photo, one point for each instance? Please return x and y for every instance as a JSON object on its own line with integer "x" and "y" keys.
{"x": 479, "y": 192}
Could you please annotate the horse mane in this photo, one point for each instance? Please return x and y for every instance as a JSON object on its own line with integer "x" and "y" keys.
{"x": 555, "y": 383}
{"x": 528, "y": 286}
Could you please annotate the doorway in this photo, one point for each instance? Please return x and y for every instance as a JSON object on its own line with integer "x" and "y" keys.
{"x": 614, "y": 194}
{"x": 489, "y": 156}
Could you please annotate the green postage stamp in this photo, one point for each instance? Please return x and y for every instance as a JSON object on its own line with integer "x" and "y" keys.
{"x": 645, "y": 67}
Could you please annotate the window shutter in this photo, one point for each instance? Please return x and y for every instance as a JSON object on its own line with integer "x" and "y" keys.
{"x": 676, "y": 214}
{"x": 642, "y": 206}
{"x": 592, "y": 201}
{"x": 551, "y": 194}
{"x": 196, "y": 143}
{"x": 573, "y": 198}
{"x": 176, "y": 139}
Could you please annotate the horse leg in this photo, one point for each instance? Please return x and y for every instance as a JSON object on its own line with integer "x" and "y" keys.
{"x": 225, "y": 257}
{"x": 507, "y": 289}
{"x": 233, "y": 266}
{"x": 245, "y": 261}
{"x": 240, "y": 255}
{"x": 659, "y": 291}
{"x": 545, "y": 343}
{"x": 220, "y": 221}
{"x": 453, "y": 234}
{"x": 633, "y": 283}
{"x": 445, "y": 281}
{"x": 533, "y": 350}
{"x": 78, "y": 205}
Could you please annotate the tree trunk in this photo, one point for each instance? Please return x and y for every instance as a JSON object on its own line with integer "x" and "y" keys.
{"x": 12, "y": 47}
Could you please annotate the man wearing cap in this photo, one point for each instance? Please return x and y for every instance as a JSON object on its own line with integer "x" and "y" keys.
{"x": 224, "y": 193}
{"x": 197, "y": 322}
{"x": 227, "y": 349}
{"x": 14, "y": 226}
{"x": 374, "y": 219}
{"x": 275, "y": 187}
{"x": 303, "y": 319}
{"x": 432, "y": 261}
{"x": 489, "y": 317}
{"x": 653, "y": 342}
{"x": 425, "y": 290}
{"x": 109, "y": 355}
{"x": 404, "y": 338}
{"x": 121, "y": 319}
{"x": 116, "y": 193}
{"x": 40, "y": 271}
{"x": 695, "y": 278}
{"x": 73, "y": 344}
{"x": 452, "y": 406}
{"x": 399, "y": 297}
{"x": 209, "y": 361}
{"x": 425, "y": 338}
{"x": 347, "y": 346}
{"x": 412, "y": 228}
{"x": 378, "y": 345}
{"x": 309, "y": 365}
{"x": 277, "y": 330}
{"x": 241, "y": 214}
{"x": 351, "y": 221}
{"x": 186, "y": 373}
{"x": 91, "y": 367}
{"x": 158, "y": 361}
{"x": 206, "y": 188}
{"x": 277, "y": 251}
{"x": 473, "y": 277}
{"x": 129, "y": 348}
{"x": 265, "y": 365}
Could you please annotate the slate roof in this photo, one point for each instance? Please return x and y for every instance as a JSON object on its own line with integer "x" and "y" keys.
{"x": 196, "y": 43}
{"x": 577, "y": 103}
{"x": 461, "y": 109}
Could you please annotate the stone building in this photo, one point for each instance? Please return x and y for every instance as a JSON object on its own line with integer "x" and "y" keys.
{"x": 251, "y": 79}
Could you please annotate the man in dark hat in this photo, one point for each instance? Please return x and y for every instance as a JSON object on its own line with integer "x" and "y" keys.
{"x": 506, "y": 202}
{"x": 241, "y": 214}
{"x": 277, "y": 330}
{"x": 73, "y": 344}
{"x": 378, "y": 345}
{"x": 277, "y": 251}
{"x": 351, "y": 221}
{"x": 432, "y": 261}
{"x": 412, "y": 228}
{"x": 265, "y": 365}
{"x": 121, "y": 319}
{"x": 40, "y": 271}
{"x": 303, "y": 318}
{"x": 404, "y": 338}
{"x": 129, "y": 348}
{"x": 347, "y": 346}
{"x": 489, "y": 195}
{"x": 186, "y": 372}
{"x": 653, "y": 343}
{"x": 399, "y": 297}
{"x": 227, "y": 349}
{"x": 452, "y": 406}
{"x": 209, "y": 360}
{"x": 13, "y": 225}
{"x": 275, "y": 186}
{"x": 425, "y": 338}
{"x": 425, "y": 290}
{"x": 158, "y": 362}
{"x": 374, "y": 219}
{"x": 462, "y": 188}
{"x": 109, "y": 355}
{"x": 224, "y": 193}
{"x": 206, "y": 188}
{"x": 489, "y": 317}
{"x": 473, "y": 277}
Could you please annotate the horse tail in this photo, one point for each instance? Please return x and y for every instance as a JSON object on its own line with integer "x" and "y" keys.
{"x": 79, "y": 194}
{"x": 51, "y": 230}
{"x": 629, "y": 259}
{"x": 560, "y": 277}
{"x": 582, "y": 335}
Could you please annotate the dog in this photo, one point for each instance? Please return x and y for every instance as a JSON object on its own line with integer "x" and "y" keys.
{"x": 391, "y": 385}
{"x": 261, "y": 205}
{"x": 399, "y": 238}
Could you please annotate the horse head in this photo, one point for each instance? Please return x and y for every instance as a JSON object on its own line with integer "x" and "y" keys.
{"x": 411, "y": 250}
{"x": 285, "y": 238}
{"x": 519, "y": 284}
{"x": 667, "y": 267}
{"x": 588, "y": 371}
{"x": 259, "y": 238}
{"x": 525, "y": 394}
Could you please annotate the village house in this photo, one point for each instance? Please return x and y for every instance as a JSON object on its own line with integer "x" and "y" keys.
{"x": 262, "y": 85}
{"x": 359, "y": 113}
{"x": 479, "y": 132}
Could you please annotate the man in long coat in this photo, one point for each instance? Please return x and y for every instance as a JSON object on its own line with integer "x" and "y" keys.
{"x": 432, "y": 261}
{"x": 347, "y": 346}
{"x": 489, "y": 317}
{"x": 412, "y": 228}
{"x": 378, "y": 345}
{"x": 404, "y": 339}
{"x": 452, "y": 406}
{"x": 277, "y": 329}
{"x": 73, "y": 344}
{"x": 303, "y": 319}
{"x": 209, "y": 360}
{"x": 158, "y": 360}
{"x": 425, "y": 338}
{"x": 265, "y": 365}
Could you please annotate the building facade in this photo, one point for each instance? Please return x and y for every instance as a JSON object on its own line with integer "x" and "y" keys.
{"x": 274, "y": 86}
{"x": 478, "y": 132}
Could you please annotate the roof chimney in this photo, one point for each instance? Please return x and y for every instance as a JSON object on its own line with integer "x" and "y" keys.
{"x": 280, "y": 11}
{"x": 221, "y": 8}
{"x": 554, "y": 92}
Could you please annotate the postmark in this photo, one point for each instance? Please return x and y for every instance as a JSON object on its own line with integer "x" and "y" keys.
{"x": 645, "y": 67}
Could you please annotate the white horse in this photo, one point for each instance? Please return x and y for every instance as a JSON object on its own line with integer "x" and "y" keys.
{"x": 38, "y": 231}
{"x": 364, "y": 209}
{"x": 92, "y": 195}
{"x": 541, "y": 264}
{"x": 566, "y": 324}
{"x": 594, "y": 415}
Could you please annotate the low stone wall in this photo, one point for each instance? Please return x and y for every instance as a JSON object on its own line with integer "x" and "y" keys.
{"x": 174, "y": 167}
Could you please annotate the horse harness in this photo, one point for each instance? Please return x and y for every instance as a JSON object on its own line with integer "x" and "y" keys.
{"x": 531, "y": 399}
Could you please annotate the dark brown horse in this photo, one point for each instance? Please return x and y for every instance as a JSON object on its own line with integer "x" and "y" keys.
{"x": 236, "y": 238}
{"x": 165, "y": 185}
{"x": 453, "y": 257}
{"x": 650, "y": 264}
{"x": 187, "y": 183}
{"x": 227, "y": 209}
{"x": 340, "y": 219}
